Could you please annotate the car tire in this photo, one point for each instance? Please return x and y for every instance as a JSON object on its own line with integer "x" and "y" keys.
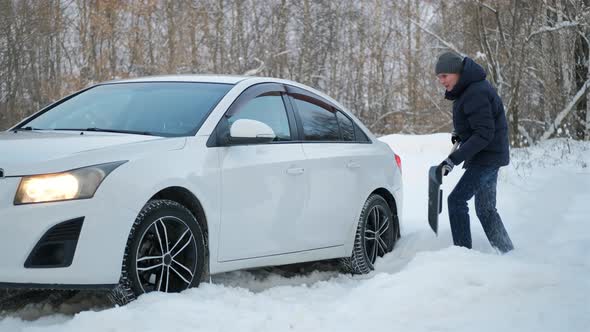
{"x": 375, "y": 215}
{"x": 165, "y": 252}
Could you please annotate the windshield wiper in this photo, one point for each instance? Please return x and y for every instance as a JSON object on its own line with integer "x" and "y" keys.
{"x": 121, "y": 131}
{"x": 28, "y": 128}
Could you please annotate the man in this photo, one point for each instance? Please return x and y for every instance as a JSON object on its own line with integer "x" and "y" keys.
{"x": 479, "y": 123}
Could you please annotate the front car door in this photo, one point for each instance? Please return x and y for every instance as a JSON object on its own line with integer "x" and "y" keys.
{"x": 263, "y": 186}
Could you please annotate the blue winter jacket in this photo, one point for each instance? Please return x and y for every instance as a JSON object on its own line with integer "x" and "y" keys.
{"x": 479, "y": 119}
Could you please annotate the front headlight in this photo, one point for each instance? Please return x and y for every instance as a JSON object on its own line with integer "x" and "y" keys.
{"x": 75, "y": 184}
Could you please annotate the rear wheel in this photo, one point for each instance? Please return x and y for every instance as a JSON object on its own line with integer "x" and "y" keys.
{"x": 376, "y": 235}
{"x": 165, "y": 252}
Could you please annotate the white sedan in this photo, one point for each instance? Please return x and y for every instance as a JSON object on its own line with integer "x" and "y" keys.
{"x": 153, "y": 184}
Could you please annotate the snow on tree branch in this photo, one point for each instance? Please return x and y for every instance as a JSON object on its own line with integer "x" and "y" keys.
{"x": 256, "y": 71}
{"x": 443, "y": 41}
{"x": 522, "y": 130}
{"x": 559, "y": 26}
{"x": 487, "y": 6}
{"x": 569, "y": 107}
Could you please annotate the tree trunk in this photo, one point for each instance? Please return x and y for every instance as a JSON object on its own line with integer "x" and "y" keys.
{"x": 171, "y": 37}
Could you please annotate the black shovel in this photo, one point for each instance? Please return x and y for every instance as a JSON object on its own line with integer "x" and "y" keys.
{"x": 435, "y": 194}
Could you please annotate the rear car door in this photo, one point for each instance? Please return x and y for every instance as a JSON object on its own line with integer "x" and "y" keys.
{"x": 334, "y": 164}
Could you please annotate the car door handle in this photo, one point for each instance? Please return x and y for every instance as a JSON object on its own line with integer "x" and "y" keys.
{"x": 295, "y": 171}
{"x": 353, "y": 164}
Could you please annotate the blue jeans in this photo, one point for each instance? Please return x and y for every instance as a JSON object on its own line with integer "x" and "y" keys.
{"x": 478, "y": 181}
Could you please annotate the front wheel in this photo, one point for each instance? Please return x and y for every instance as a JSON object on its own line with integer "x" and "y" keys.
{"x": 376, "y": 235}
{"x": 165, "y": 252}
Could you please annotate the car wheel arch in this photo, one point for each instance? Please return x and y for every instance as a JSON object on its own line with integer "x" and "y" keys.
{"x": 391, "y": 202}
{"x": 390, "y": 199}
{"x": 187, "y": 199}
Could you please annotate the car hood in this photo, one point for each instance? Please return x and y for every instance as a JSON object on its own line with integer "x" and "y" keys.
{"x": 37, "y": 152}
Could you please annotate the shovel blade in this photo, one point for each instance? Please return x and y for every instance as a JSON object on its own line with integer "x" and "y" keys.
{"x": 434, "y": 196}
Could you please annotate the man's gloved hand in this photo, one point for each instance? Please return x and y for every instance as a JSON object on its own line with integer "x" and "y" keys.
{"x": 447, "y": 166}
{"x": 455, "y": 138}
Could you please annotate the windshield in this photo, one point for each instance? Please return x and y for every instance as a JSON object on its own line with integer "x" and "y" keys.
{"x": 156, "y": 108}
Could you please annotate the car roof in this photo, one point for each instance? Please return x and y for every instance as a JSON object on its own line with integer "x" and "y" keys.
{"x": 227, "y": 79}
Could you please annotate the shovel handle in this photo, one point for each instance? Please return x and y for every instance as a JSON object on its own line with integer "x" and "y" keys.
{"x": 455, "y": 147}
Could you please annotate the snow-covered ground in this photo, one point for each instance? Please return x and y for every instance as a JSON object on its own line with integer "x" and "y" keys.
{"x": 424, "y": 285}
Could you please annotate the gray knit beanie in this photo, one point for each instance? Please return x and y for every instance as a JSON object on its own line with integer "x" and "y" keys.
{"x": 449, "y": 63}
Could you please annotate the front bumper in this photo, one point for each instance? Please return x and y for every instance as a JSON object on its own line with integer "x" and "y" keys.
{"x": 98, "y": 253}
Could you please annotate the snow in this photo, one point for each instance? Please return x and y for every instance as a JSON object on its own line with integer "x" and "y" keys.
{"x": 558, "y": 26}
{"x": 424, "y": 285}
{"x": 480, "y": 56}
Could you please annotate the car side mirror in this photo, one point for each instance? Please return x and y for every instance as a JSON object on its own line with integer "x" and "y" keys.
{"x": 247, "y": 131}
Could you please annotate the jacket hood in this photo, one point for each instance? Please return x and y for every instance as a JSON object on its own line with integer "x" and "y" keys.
{"x": 471, "y": 73}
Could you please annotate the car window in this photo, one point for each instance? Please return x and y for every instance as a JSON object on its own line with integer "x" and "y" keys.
{"x": 268, "y": 109}
{"x": 161, "y": 108}
{"x": 319, "y": 123}
{"x": 360, "y": 135}
{"x": 346, "y": 127}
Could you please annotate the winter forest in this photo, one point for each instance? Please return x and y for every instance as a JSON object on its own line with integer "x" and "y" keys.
{"x": 376, "y": 57}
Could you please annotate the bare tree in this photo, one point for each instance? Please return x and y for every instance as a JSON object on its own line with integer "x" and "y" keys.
{"x": 376, "y": 56}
